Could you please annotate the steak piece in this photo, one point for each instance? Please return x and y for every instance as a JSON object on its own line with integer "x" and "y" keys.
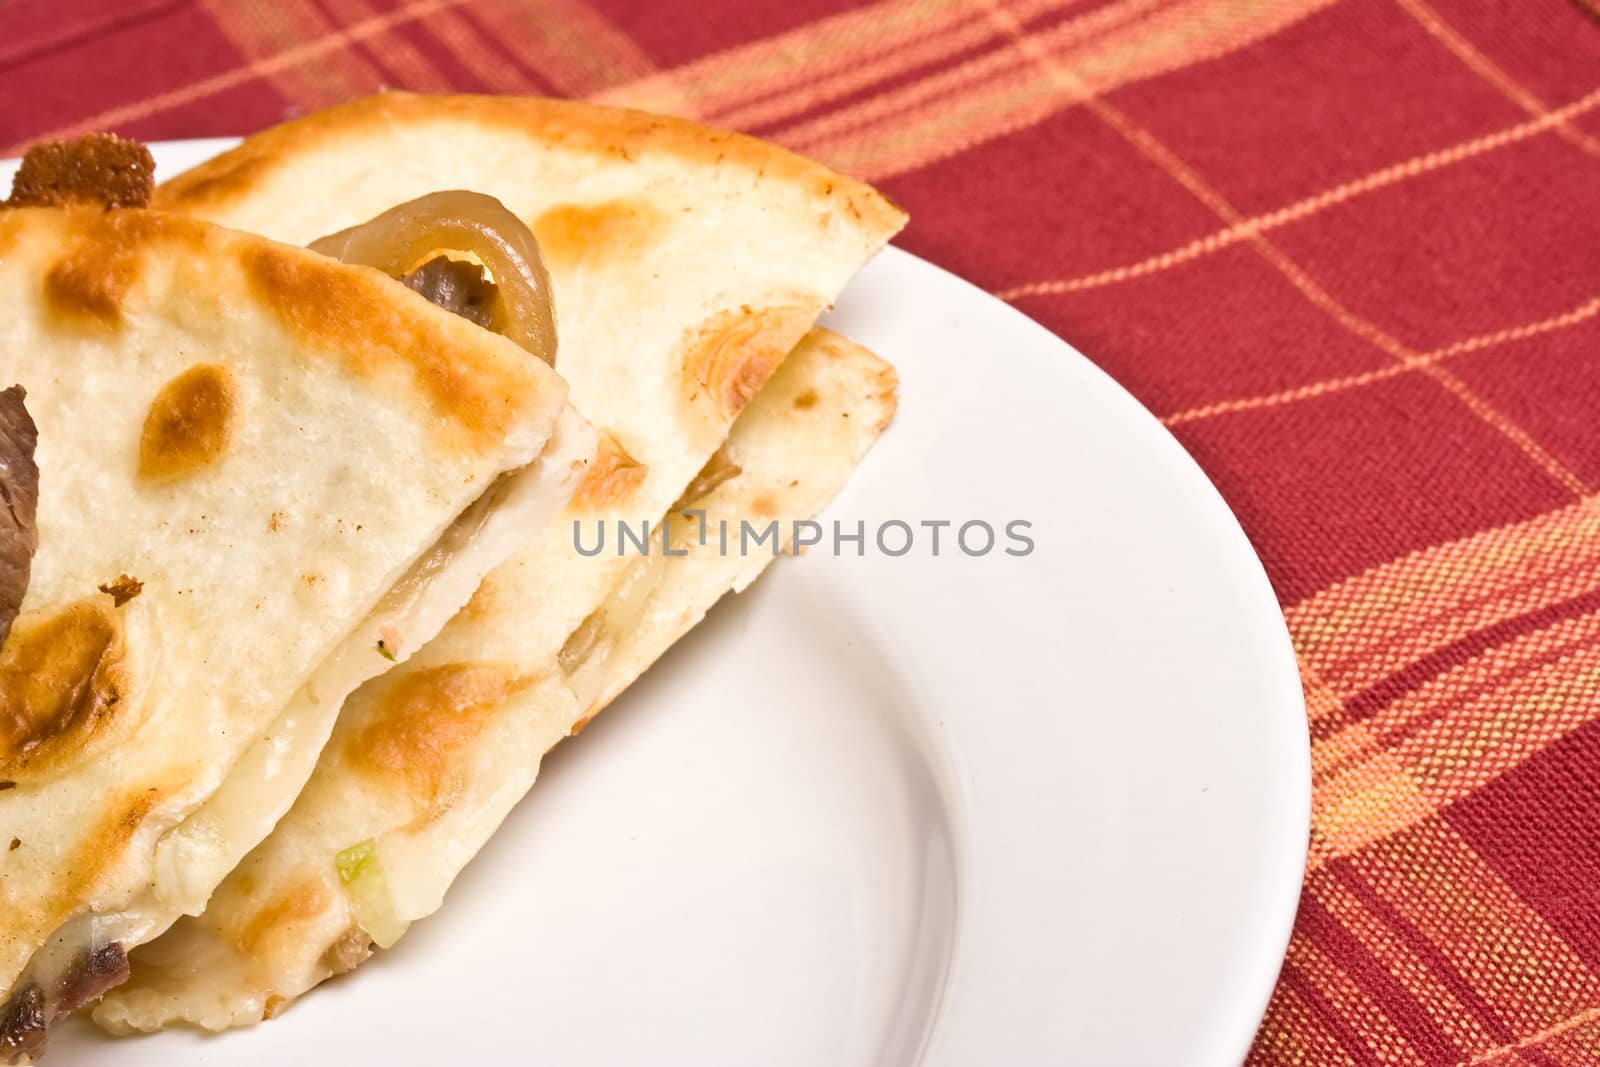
{"x": 26, "y": 1018}
{"x": 19, "y": 501}
{"x": 457, "y": 286}
{"x": 101, "y": 168}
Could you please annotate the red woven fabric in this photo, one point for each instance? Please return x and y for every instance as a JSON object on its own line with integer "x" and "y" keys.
{"x": 1349, "y": 250}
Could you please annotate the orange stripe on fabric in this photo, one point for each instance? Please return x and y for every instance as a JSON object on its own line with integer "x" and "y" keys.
{"x": 1300, "y": 1028}
{"x": 1389, "y": 694}
{"x": 1367, "y": 627}
{"x": 871, "y": 63}
{"x": 403, "y": 64}
{"x": 1463, "y": 708}
{"x": 988, "y": 98}
{"x": 993, "y": 67}
{"x": 260, "y": 29}
{"x": 801, "y": 65}
{"x": 1405, "y": 952}
{"x": 458, "y": 37}
{"x": 1587, "y": 1017}
{"x": 217, "y": 83}
{"x": 1429, "y": 883}
{"x": 1319, "y": 297}
{"x": 1447, "y": 701}
{"x": 1491, "y": 715}
{"x": 1490, "y": 71}
{"x": 569, "y": 42}
{"x": 1508, "y": 715}
{"x": 1582, "y": 313}
{"x": 1379, "y": 179}
{"x": 1500, "y": 945}
{"x": 1366, "y": 1022}
{"x": 1321, "y": 700}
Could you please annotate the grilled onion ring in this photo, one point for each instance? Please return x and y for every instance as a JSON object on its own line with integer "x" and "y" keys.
{"x": 400, "y": 238}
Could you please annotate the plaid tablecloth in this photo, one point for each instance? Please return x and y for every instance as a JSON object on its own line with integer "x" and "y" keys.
{"x": 1348, "y": 250}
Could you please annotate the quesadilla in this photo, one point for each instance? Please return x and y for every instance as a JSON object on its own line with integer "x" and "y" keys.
{"x": 686, "y": 263}
{"x": 427, "y": 761}
{"x": 250, "y": 466}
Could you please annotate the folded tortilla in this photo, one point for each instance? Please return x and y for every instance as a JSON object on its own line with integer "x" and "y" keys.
{"x": 253, "y": 464}
{"x": 427, "y": 761}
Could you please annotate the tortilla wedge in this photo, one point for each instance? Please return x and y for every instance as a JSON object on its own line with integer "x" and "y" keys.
{"x": 427, "y": 761}
{"x": 253, "y": 462}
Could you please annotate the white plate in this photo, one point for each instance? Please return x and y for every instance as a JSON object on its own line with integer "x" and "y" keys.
{"x": 948, "y": 811}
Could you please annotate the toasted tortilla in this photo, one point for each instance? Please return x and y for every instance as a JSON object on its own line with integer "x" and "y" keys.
{"x": 253, "y": 462}
{"x": 427, "y": 761}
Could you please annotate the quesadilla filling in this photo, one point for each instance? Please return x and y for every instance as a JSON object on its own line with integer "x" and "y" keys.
{"x": 718, "y": 469}
{"x": 405, "y": 241}
{"x": 457, "y": 286}
{"x": 515, "y": 302}
{"x": 19, "y": 493}
{"x": 81, "y": 977}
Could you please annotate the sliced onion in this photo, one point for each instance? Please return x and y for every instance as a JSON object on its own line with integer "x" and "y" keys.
{"x": 399, "y": 239}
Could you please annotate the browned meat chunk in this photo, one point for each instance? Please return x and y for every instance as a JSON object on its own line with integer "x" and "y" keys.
{"x": 90, "y": 976}
{"x": 26, "y": 1018}
{"x": 101, "y": 168}
{"x": 456, "y": 286}
{"x": 19, "y": 499}
{"x": 23, "y": 1026}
